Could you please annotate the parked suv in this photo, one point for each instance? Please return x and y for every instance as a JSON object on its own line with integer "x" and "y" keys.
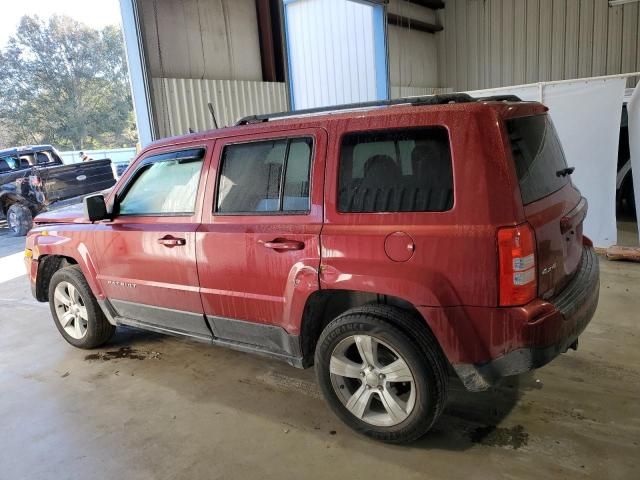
{"x": 385, "y": 243}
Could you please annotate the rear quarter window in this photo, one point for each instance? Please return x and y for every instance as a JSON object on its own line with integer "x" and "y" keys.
{"x": 538, "y": 156}
{"x": 396, "y": 171}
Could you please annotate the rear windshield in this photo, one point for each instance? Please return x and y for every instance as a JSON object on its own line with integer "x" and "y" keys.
{"x": 538, "y": 156}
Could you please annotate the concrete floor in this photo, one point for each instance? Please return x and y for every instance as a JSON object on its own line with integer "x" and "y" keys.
{"x": 154, "y": 407}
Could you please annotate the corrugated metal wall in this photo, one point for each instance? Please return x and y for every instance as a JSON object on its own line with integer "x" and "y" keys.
{"x": 400, "y": 92}
{"x": 201, "y": 39}
{"x": 491, "y": 43}
{"x": 183, "y": 103}
{"x": 413, "y": 54}
{"x": 334, "y": 53}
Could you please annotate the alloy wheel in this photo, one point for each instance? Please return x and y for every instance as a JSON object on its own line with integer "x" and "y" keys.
{"x": 71, "y": 311}
{"x": 372, "y": 380}
{"x": 12, "y": 221}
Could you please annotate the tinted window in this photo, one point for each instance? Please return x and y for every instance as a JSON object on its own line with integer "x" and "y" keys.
{"x": 167, "y": 186}
{"x": 252, "y": 181}
{"x": 538, "y": 156}
{"x": 396, "y": 171}
{"x": 9, "y": 163}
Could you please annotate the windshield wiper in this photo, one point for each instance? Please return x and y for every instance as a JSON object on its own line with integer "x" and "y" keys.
{"x": 565, "y": 171}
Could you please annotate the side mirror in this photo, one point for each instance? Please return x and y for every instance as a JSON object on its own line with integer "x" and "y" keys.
{"x": 95, "y": 208}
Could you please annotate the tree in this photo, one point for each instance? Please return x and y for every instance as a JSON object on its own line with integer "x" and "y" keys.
{"x": 64, "y": 83}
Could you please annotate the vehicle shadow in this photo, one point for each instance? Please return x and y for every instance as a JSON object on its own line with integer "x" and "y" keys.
{"x": 469, "y": 418}
{"x": 477, "y": 417}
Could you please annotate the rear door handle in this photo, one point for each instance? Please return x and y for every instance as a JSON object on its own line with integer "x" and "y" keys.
{"x": 284, "y": 245}
{"x": 170, "y": 241}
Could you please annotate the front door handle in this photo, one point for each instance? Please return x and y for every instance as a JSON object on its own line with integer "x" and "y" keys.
{"x": 170, "y": 241}
{"x": 283, "y": 245}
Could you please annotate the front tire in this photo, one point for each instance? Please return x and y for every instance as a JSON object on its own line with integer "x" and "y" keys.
{"x": 19, "y": 219}
{"x": 386, "y": 382}
{"x": 76, "y": 312}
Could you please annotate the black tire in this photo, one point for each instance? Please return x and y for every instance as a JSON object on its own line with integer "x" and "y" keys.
{"x": 19, "y": 219}
{"x": 99, "y": 330}
{"x": 404, "y": 333}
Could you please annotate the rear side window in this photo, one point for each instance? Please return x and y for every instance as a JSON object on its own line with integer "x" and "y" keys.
{"x": 265, "y": 177}
{"x": 396, "y": 171}
{"x": 538, "y": 156}
{"x": 167, "y": 185}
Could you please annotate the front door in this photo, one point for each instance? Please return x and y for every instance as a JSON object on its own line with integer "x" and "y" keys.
{"x": 147, "y": 263}
{"x": 258, "y": 247}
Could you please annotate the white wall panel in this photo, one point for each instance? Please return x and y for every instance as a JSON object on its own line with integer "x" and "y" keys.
{"x": 334, "y": 56}
{"x": 586, "y": 114}
{"x": 183, "y": 102}
{"x": 536, "y": 40}
{"x": 633, "y": 109}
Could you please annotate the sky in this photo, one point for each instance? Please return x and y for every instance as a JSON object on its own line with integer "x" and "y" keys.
{"x": 95, "y": 13}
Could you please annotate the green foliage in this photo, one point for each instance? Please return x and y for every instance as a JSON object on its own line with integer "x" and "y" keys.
{"x": 64, "y": 83}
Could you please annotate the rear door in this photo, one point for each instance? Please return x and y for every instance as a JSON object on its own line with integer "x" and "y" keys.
{"x": 553, "y": 206}
{"x": 147, "y": 258}
{"x": 258, "y": 247}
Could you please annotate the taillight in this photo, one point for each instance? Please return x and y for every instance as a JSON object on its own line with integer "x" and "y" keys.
{"x": 518, "y": 278}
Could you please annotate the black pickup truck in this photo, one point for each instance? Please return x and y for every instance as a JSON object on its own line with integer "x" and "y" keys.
{"x": 34, "y": 179}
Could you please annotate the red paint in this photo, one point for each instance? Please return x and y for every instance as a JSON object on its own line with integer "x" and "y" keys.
{"x": 444, "y": 263}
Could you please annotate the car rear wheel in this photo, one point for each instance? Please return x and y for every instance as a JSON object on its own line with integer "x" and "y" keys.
{"x": 377, "y": 379}
{"x": 19, "y": 219}
{"x": 75, "y": 311}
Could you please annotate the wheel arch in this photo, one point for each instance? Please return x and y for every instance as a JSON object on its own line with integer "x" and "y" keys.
{"x": 55, "y": 250}
{"x": 9, "y": 198}
{"x": 323, "y": 306}
{"x": 47, "y": 266}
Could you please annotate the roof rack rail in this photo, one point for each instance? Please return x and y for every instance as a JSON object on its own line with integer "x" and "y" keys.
{"x": 500, "y": 98}
{"x": 438, "y": 99}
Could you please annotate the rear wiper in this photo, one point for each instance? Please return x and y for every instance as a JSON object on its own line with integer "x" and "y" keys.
{"x": 565, "y": 171}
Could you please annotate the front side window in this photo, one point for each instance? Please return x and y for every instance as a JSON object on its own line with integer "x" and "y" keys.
{"x": 396, "y": 171}
{"x": 265, "y": 177}
{"x": 167, "y": 185}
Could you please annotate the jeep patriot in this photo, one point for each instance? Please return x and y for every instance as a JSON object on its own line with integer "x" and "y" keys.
{"x": 389, "y": 244}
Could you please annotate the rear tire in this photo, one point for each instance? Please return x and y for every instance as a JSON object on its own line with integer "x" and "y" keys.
{"x": 19, "y": 219}
{"x": 396, "y": 393}
{"x": 75, "y": 310}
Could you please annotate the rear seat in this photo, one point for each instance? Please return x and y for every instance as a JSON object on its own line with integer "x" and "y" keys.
{"x": 385, "y": 189}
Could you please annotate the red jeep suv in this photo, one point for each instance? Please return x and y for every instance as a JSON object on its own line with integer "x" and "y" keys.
{"x": 388, "y": 243}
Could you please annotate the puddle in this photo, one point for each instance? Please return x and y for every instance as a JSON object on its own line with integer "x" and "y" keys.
{"x": 492, "y": 436}
{"x": 123, "y": 352}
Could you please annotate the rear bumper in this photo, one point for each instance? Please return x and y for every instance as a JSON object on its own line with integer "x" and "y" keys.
{"x": 563, "y": 319}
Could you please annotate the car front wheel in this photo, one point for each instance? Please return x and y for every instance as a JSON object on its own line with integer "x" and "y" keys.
{"x": 75, "y": 311}
{"x": 19, "y": 219}
{"x": 380, "y": 381}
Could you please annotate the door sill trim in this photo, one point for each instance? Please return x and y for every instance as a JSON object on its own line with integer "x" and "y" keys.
{"x": 293, "y": 360}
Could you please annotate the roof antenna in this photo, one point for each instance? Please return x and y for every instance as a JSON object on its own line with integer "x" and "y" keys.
{"x": 213, "y": 115}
